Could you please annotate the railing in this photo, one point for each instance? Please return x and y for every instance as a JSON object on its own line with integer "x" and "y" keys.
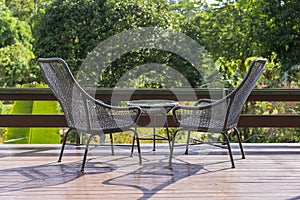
{"x": 246, "y": 120}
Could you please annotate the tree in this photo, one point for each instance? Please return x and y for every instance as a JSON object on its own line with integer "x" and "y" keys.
{"x": 281, "y": 30}
{"x": 84, "y": 24}
{"x": 22, "y": 9}
{"x": 236, "y": 30}
{"x": 187, "y": 9}
{"x": 15, "y": 69}
{"x": 13, "y": 30}
{"x": 15, "y": 49}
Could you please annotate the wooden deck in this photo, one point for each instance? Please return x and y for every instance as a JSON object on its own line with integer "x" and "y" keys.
{"x": 270, "y": 171}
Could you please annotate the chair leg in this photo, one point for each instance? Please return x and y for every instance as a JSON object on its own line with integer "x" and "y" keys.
{"x": 138, "y": 145}
{"x": 172, "y": 148}
{"x": 132, "y": 146}
{"x": 187, "y": 143}
{"x": 168, "y": 134}
{"x": 77, "y": 138}
{"x": 240, "y": 142}
{"x": 63, "y": 145}
{"x": 111, "y": 144}
{"x": 229, "y": 149}
{"x": 86, "y": 152}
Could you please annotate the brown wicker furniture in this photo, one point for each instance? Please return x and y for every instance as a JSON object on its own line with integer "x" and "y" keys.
{"x": 218, "y": 116}
{"x": 83, "y": 113}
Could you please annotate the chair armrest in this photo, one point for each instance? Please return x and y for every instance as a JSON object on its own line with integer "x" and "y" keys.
{"x": 206, "y": 101}
{"x": 178, "y": 111}
{"x": 113, "y": 109}
{"x": 133, "y": 111}
{"x": 102, "y": 116}
{"x": 205, "y": 112}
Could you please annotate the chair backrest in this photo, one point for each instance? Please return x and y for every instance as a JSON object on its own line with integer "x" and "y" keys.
{"x": 67, "y": 91}
{"x": 237, "y": 98}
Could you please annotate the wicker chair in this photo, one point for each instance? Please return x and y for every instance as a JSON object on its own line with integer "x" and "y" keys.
{"x": 83, "y": 113}
{"x": 218, "y": 116}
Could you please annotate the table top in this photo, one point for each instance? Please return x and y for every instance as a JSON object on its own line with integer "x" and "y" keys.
{"x": 154, "y": 106}
{"x": 153, "y": 103}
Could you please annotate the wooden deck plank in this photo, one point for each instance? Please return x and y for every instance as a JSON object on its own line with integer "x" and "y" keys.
{"x": 270, "y": 171}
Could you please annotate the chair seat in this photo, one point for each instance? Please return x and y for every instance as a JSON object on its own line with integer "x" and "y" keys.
{"x": 116, "y": 125}
{"x": 201, "y": 123}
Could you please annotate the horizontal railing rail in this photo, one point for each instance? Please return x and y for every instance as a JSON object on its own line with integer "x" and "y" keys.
{"x": 181, "y": 94}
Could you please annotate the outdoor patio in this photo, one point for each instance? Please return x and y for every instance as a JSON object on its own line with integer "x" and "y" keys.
{"x": 270, "y": 171}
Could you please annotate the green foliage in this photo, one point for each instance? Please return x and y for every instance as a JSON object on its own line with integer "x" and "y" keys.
{"x": 187, "y": 9}
{"x": 15, "y": 50}
{"x": 281, "y": 33}
{"x": 13, "y": 30}
{"x": 14, "y": 65}
{"x": 22, "y": 9}
{"x": 66, "y": 29}
{"x": 87, "y": 23}
{"x": 252, "y": 28}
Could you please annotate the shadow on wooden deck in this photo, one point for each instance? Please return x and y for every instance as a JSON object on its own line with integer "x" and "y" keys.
{"x": 270, "y": 171}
